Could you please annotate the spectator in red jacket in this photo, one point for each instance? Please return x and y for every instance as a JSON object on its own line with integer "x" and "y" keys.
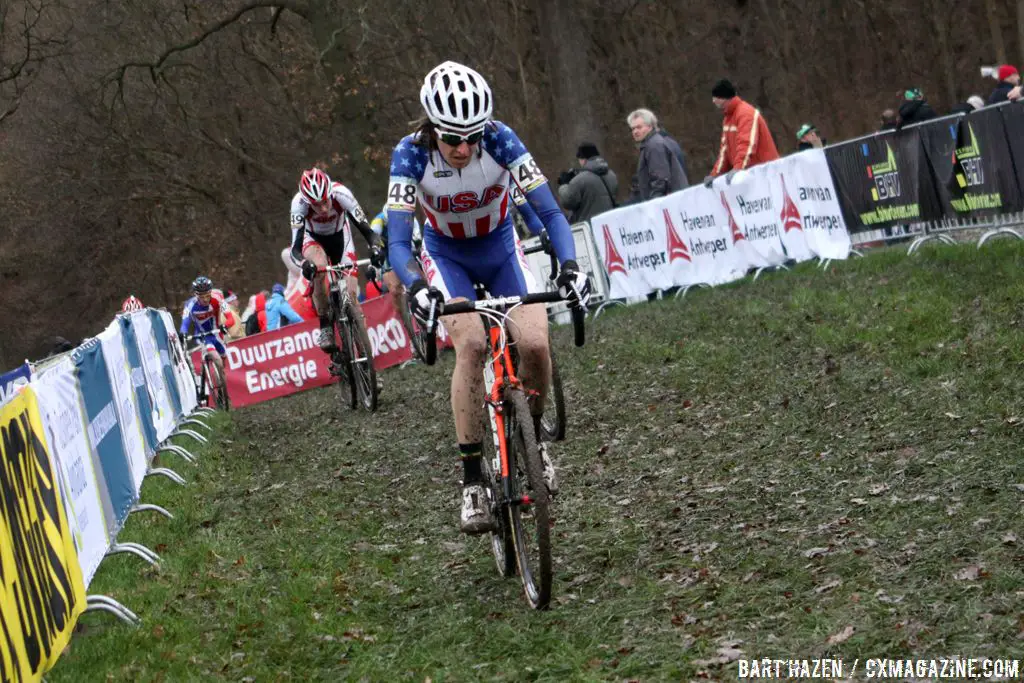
{"x": 746, "y": 140}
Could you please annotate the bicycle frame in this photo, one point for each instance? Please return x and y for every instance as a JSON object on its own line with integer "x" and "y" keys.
{"x": 500, "y": 372}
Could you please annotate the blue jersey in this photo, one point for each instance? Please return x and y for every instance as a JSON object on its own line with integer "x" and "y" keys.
{"x": 203, "y": 317}
{"x": 467, "y": 209}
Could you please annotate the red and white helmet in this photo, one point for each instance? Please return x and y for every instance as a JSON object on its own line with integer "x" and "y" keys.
{"x": 131, "y": 304}
{"x": 315, "y": 186}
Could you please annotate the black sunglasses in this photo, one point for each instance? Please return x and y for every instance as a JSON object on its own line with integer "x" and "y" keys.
{"x": 454, "y": 139}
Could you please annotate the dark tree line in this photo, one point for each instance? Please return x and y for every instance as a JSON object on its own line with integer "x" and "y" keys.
{"x": 146, "y": 141}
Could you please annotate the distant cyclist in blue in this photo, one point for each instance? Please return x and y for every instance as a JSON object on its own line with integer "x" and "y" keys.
{"x": 203, "y": 312}
{"x": 458, "y": 167}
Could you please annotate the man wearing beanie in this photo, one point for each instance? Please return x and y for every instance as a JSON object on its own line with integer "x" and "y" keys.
{"x": 592, "y": 189}
{"x": 1009, "y": 80}
{"x": 746, "y": 140}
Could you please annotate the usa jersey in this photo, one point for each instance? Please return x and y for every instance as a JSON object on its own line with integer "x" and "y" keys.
{"x": 204, "y": 317}
{"x": 468, "y": 202}
{"x": 343, "y": 202}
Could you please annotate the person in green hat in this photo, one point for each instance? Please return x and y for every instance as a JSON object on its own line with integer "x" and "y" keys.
{"x": 809, "y": 138}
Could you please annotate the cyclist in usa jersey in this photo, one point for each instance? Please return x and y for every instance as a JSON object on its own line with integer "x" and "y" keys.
{"x": 458, "y": 167}
{"x": 321, "y": 214}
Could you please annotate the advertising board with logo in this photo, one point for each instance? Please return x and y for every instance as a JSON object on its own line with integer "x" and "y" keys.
{"x": 884, "y": 180}
{"x": 972, "y": 165}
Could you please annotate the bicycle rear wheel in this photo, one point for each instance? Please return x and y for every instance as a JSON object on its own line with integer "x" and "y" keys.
{"x": 530, "y": 521}
{"x": 502, "y": 544}
{"x": 552, "y": 425}
{"x": 362, "y": 373}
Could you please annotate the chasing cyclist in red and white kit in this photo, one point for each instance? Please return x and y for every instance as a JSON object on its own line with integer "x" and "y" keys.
{"x": 321, "y": 217}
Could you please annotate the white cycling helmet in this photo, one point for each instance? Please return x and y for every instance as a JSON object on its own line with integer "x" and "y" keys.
{"x": 456, "y": 98}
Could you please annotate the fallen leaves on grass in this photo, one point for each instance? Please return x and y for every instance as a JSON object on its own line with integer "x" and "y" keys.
{"x": 815, "y": 552}
{"x": 1010, "y": 538}
{"x": 840, "y": 637}
{"x": 971, "y": 572}
{"x": 825, "y": 587}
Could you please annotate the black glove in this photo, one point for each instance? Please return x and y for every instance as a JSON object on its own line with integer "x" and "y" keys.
{"x": 376, "y": 256}
{"x": 708, "y": 180}
{"x": 308, "y": 270}
{"x": 565, "y": 177}
{"x": 422, "y": 297}
{"x": 573, "y": 285}
{"x": 371, "y": 273}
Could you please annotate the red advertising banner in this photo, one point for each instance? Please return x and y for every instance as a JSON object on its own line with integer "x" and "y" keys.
{"x": 388, "y": 337}
{"x": 289, "y": 360}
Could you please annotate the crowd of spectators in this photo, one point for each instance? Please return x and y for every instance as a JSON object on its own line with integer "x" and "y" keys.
{"x": 591, "y": 188}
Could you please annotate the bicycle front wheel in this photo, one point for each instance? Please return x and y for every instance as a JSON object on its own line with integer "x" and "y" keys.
{"x": 501, "y": 538}
{"x": 343, "y": 366}
{"x": 222, "y": 388}
{"x": 362, "y": 372}
{"x": 530, "y": 517}
{"x": 212, "y": 381}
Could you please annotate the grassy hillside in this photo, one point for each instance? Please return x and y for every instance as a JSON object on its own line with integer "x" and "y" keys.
{"x": 815, "y": 464}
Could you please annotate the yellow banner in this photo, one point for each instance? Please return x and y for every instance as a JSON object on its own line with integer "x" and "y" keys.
{"x": 41, "y": 589}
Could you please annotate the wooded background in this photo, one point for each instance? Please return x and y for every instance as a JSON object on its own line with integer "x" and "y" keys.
{"x": 147, "y": 141}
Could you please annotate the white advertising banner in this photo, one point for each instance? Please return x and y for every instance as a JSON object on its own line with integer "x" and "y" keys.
{"x": 755, "y": 217}
{"x": 182, "y": 370}
{"x": 810, "y": 200}
{"x": 163, "y": 411}
{"x": 124, "y": 396}
{"x": 60, "y": 406}
{"x": 786, "y": 210}
{"x": 634, "y": 250}
{"x": 697, "y": 225}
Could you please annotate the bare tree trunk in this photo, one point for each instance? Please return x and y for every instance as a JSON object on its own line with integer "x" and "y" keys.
{"x": 941, "y": 17}
{"x": 565, "y": 40}
{"x": 996, "y": 27}
{"x": 1020, "y": 30}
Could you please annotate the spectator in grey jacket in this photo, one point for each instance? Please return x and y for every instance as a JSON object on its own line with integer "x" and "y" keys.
{"x": 658, "y": 172}
{"x": 591, "y": 189}
{"x": 676, "y": 149}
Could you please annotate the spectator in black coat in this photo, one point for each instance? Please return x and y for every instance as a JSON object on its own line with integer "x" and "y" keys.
{"x": 1009, "y": 80}
{"x": 973, "y": 103}
{"x": 915, "y": 108}
{"x": 589, "y": 190}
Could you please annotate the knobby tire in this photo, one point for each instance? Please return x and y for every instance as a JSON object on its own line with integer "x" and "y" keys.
{"x": 552, "y": 425}
{"x": 533, "y": 551}
{"x": 363, "y": 375}
{"x": 343, "y": 363}
{"x": 502, "y": 545}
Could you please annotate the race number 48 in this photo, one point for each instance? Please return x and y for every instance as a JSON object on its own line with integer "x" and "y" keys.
{"x": 402, "y": 196}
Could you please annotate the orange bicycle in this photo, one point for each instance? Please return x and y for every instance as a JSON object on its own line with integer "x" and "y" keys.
{"x": 512, "y": 466}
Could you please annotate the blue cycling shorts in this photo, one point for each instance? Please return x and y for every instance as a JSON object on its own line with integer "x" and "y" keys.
{"x": 495, "y": 260}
